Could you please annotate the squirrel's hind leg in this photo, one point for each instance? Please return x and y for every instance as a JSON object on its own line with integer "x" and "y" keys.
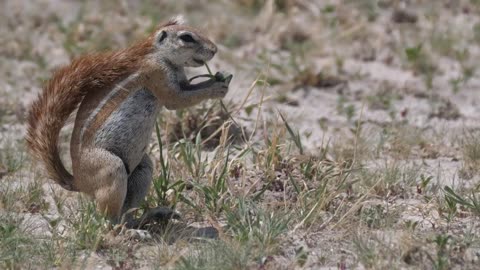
{"x": 138, "y": 185}
{"x": 106, "y": 180}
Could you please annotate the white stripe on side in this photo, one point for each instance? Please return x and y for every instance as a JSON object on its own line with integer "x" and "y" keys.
{"x": 119, "y": 87}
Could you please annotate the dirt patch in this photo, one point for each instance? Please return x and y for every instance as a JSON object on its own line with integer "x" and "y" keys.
{"x": 349, "y": 142}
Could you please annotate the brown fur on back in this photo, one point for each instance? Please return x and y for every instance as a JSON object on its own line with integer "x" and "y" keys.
{"x": 64, "y": 92}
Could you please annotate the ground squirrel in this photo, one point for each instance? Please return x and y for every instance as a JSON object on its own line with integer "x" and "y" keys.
{"x": 118, "y": 95}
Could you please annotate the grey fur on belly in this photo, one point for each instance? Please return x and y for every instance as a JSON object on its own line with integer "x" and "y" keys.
{"x": 128, "y": 130}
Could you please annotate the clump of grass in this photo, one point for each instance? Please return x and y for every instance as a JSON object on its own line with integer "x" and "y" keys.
{"x": 166, "y": 190}
{"x": 368, "y": 7}
{"x": 19, "y": 249}
{"x": 295, "y": 136}
{"x": 344, "y": 108}
{"x": 444, "y": 42}
{"x": 441, "y": 260}
{"x": 421, "y": 63}
{"x": 373, "y": 216}
{"x": 470, "y": 145}
{"x": 88, "y": 227}
{"x": 317, "y": 196}
{"x": 214, "y": 193}
{"x": 468, "y": 70}
{"x": 375, "y": 253}
{"x": 352, "y": 149}
{"x": 22, "y": 198}
{"x": 12, "y": 155}
{"x": 191, "y": 154}
{"x": 383, "y": 97}
{"x": 402, "y": 140}
{"x": 260, "y": 227}
{"x": 470, "y": 202}
{"x": 217, "y": 255}
{"x": 366, "y": 251}
{"x": 391, "y": 179}
{"x": 12, "y": 241}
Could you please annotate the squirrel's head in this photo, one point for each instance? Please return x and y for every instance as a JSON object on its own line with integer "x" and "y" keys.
{"x": 181, "y": 45}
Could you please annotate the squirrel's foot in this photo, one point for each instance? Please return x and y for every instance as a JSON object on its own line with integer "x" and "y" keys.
{"x": 158, "y": 214}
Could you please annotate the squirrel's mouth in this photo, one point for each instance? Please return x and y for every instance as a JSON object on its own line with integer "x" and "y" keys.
{"x": 200, "y": 62}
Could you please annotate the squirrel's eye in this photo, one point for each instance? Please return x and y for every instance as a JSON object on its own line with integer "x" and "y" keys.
{"x": 162, "y": 36}
{"x": 187, "y": 38}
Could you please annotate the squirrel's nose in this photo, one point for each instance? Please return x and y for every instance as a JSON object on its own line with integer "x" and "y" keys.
{"x": 213, "y": 48}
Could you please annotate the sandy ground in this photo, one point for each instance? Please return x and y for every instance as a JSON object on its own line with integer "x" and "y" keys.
{"x": 332, "y": 66}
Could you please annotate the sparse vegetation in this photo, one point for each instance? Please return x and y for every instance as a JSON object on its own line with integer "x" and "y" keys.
{"x": 470, "y": 144}
{"x": 12, "y": 155}
{"x": 341, "y": 143}
{"x": 19, "y": 248}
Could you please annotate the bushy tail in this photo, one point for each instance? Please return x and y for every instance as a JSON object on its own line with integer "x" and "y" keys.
{"x": 49, "y": 113}
{"x": 63, "y": 94}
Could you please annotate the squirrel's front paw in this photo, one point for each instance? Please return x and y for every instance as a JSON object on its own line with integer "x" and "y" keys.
{"x": 223, "y": 77}
{"x": 222, "y": 81}
{"x": 219, "y": 90}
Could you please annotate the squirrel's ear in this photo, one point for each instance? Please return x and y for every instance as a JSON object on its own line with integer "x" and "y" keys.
{"x": 161, "y": 36}
{"x": 177, "y": 20}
